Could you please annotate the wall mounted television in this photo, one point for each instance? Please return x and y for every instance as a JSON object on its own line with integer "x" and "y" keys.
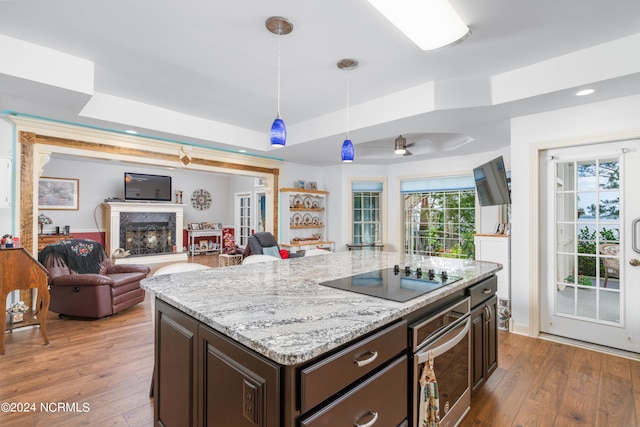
{"x": 492, "y": 185}
{"x": 147, "y": 188}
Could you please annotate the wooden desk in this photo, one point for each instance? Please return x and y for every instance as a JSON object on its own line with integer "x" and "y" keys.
{"x": 19, "y": 270}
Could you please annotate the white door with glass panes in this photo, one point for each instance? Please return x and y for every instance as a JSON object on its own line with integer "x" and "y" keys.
{"x": 243, "y": 218}
{"x": 591, "y": 287}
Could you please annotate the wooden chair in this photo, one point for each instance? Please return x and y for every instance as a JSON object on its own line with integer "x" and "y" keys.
{"x": 610, "y": 261}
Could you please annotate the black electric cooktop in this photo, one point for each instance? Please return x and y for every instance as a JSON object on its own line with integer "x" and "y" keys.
{"x": 395, "y": 283}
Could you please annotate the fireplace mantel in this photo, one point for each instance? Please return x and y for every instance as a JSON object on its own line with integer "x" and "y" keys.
{"x": 112, "y": 220}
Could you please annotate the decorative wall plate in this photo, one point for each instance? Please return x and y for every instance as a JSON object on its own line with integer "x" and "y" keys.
{"x": 297, "y": 202}
{"x": 201, "y": 199}
{"x": 308, "y": 202}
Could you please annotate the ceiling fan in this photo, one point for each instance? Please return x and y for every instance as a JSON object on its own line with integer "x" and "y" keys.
{"x": 401, "y": 146}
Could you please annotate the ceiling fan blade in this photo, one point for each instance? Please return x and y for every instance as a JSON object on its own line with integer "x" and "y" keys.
{"x": 408, "y": 153}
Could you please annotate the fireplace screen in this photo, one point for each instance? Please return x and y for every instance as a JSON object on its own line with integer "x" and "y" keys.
{"x": 148, "y": 238}
{"x": 147, "y": 233}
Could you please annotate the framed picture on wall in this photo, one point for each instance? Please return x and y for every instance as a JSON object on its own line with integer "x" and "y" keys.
{"x": 58, "y": 193}
{"x": 194, "y": 226}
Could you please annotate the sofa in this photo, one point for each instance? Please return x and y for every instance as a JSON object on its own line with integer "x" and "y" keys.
{"x": 84, "y": 283}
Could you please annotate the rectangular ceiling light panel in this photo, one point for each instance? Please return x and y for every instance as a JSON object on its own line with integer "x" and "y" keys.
{"x": 431, "y": 24}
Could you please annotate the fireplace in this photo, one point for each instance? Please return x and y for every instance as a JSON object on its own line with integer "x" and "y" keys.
{"x": 149, "y": 232}
{"x": 144, "y": 233}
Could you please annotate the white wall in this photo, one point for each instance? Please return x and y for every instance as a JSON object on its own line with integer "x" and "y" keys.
{"x": 7, "y": 225}
{"x": 450, "y": 166}
{"x": 336, "y": 180}
{"x": 99, "y": 180}
{"x": 597, "y": 122}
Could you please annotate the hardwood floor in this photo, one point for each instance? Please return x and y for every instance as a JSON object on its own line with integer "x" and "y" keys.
{"x": 101, "y": 370}
{"x": 543, "y": 383}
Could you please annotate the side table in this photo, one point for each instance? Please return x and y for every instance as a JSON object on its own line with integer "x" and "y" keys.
{"x": 47, "y": 239}
{"x": 226, "y": 260}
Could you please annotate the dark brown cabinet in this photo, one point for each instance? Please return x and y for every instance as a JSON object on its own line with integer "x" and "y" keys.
{"x": 192, "y": 361}
{"x": 250, "y": 395}
{"x": 380, "y": 400}
{"x": 484, "y": 341}
{"x": 204, "y": 378}
{"x": 176, "y": 366}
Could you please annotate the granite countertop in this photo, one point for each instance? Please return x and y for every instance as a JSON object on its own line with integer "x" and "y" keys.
{"x": 279, "y": 309}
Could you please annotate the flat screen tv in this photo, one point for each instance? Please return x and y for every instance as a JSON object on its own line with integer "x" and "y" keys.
{"x": 492, "y": 185}
{"x": 147, "y": 188}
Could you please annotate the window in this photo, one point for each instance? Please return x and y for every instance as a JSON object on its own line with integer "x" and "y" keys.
{"x": 439, "y": 216}
{"x": 367, "y": 220}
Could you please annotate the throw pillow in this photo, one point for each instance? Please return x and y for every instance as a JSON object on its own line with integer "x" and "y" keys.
{"x": 272, "y": 251}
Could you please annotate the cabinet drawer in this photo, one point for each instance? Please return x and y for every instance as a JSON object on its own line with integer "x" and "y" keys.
{"x": 327, "y": 377}
{"x": 483, "y": 290}
{"x": 383, "y": 396}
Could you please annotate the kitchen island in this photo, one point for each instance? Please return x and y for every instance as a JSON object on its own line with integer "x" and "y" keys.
{"x": 245, "y": 345}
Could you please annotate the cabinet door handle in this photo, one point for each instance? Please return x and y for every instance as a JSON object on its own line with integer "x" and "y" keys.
{"x": 370, "y": 423}
{"x": 361, "y": 363}
{"x": 487, "y": 291}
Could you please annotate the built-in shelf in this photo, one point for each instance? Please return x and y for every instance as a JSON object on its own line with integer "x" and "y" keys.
{"x": 303, "y": 219}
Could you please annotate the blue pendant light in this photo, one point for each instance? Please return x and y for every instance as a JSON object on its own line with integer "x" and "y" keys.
{"x": 347, "y": 152}
{"x": 278, "y": 132}
{"x": 278, "y": 26}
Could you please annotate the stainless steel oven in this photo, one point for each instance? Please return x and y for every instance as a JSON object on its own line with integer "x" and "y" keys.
{"x": 448, "y": 335}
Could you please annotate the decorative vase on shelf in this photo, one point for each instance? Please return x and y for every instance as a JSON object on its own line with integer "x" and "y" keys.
{"x": 41, "y": 228}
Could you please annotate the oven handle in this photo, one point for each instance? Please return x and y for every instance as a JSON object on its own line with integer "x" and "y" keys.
{"x": 423, "y": 357}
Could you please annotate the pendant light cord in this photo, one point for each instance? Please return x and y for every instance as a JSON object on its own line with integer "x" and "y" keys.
{"x": 347, "y": 106}
{"x": 278, "y": 78}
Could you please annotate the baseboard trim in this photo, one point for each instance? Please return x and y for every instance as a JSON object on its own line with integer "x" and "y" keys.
{"x": 589, "y": 346}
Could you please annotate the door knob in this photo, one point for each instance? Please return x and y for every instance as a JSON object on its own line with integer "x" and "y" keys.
{"x": 634, "y": 262}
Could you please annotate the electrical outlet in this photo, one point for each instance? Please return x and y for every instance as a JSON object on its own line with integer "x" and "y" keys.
{"x": 249, "y": 404}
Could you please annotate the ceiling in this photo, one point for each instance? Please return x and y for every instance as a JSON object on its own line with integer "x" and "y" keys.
{"x": 204, "y": 72}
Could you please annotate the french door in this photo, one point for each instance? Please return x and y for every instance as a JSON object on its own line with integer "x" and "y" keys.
{"x": 243, "y": 218}
{"x": 592, "y": 227}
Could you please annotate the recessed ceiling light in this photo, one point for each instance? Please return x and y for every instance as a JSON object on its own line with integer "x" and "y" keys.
{"x": 584, "y": 92}
{"x": 131, "y": 131}
{"x": 242, "y": 151}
